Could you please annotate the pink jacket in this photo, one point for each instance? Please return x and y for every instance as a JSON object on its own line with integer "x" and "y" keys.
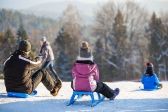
{"x": 85, "y": 77}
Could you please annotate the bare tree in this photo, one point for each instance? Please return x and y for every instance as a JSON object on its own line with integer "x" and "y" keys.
{"x": 163, "y": 45}
{"x": 136, "y": 19}
{"x": 103, "y": 25}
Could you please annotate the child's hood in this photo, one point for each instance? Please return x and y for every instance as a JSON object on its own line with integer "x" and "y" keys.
{"x": 84, "y": 69}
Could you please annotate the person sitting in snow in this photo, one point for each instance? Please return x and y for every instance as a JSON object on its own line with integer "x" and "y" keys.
{"x": 149, "y": 78}
{"x": 48, "y": 58}
{"x": 18, "y": 69}
{"x": 85, "y": 74}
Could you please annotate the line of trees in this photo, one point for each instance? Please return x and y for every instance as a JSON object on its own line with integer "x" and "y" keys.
{"x": 9, "y": 42}
{"x": 123, "y": 37}
{"x": 127, "y": 37}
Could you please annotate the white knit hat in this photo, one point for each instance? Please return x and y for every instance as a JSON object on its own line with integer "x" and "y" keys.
{"x": 44, "y": 38}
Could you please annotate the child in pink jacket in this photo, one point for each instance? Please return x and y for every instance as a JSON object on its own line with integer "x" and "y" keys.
{"x": 85, "y": 74}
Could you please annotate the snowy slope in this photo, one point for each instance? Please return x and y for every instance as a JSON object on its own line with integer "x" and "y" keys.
{"x": 130, "y": 99}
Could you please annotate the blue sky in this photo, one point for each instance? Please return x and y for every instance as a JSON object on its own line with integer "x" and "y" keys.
{"x": 156, "y": 5}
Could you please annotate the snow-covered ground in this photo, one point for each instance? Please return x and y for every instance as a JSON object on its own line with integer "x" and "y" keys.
{"x": 130, "y": 99}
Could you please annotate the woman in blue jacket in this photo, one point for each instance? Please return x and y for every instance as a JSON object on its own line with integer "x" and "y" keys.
{"x": 149, "y": 79}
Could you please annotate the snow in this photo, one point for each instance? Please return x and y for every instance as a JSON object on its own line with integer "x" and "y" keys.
{"x": 130, "y": 99}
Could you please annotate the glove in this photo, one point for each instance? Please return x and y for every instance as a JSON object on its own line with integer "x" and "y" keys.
{"x": 39, "y": 58}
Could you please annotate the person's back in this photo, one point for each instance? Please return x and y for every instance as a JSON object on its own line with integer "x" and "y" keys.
{"x": 85, "y": 76}
{"x": 150, "y": 82}
{"x": 46, "y": 50}
{"x": 149, "y": 78}
{"x": 17, "y": 71}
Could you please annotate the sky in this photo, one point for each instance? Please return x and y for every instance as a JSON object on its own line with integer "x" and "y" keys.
{"x": 156, "y": 5}
{"x": 21, "y": 4}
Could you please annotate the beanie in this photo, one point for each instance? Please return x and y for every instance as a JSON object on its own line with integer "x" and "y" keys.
{"x": 149, "y": 64}
{"x": 84, "y": 45}
{"x": 25, "y": 46}
{"x": 149, "y": 68}
{"x": 85, "y": 52}
{"x": 44, "y": 39}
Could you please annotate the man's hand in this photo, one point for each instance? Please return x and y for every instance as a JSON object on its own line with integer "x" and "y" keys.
{"x": 39, "y": 58}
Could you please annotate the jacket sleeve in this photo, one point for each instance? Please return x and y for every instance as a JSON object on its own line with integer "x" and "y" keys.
{"x": 156, "y": 79}
{"x": 32, "y": 64}
{"x": 73, "y": 71}
{"x": 44, "y": 53}
{"x": 96, "y": 76}
{"x": 142, "y": 78}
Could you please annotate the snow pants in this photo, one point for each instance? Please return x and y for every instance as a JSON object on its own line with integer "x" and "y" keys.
{"x": 50, "y": 65}
{"x": 44, "y": 77}
{"x": 104, "y": 90}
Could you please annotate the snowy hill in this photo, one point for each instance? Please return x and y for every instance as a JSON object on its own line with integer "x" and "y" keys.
{"x": 130, "y": 99}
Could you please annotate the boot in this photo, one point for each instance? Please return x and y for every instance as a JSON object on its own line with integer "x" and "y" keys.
{"x": 116, "y": 92}
{"x": 56, "y": 89}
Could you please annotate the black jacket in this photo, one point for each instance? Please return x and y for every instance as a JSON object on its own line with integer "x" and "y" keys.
{"x": 18, "y": 72}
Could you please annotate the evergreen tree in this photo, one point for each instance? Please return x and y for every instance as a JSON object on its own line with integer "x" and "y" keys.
{"x": 66, "y": 53}
{"x": 21, "y": 33}
{"x": 120, "y": 38}
{"x": 1, "y": 38}
{"x": 63, "y": 65}
{"x": 68, "y": 38}
{"x": 156, "y": 30}
{"x": 9, "y": 40}
{"x": 119, "y": 32}
{"x": 9, "y": 43}
{"x": 65, "y": 43}
{"x": 99, "y": 57}
{"x": 9, "y": 37}
{"x": 1, "y": 47}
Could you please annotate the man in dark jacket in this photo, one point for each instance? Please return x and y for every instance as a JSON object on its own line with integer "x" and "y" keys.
{"x": 18, "y": 72}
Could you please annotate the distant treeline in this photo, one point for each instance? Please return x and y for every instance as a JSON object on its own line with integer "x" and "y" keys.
{"x": 122, "y": 37}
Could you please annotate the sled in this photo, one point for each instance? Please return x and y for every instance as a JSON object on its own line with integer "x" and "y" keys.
{"x": 79, "y": 95}
{"x": 150, "y": 89}
{"x": 21, "y": 95}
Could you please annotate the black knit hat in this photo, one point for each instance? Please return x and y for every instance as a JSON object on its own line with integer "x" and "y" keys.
{"x": 149, "y": 68}
{"x": 25, "y": 46}
{"x": 149, "y": 64}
